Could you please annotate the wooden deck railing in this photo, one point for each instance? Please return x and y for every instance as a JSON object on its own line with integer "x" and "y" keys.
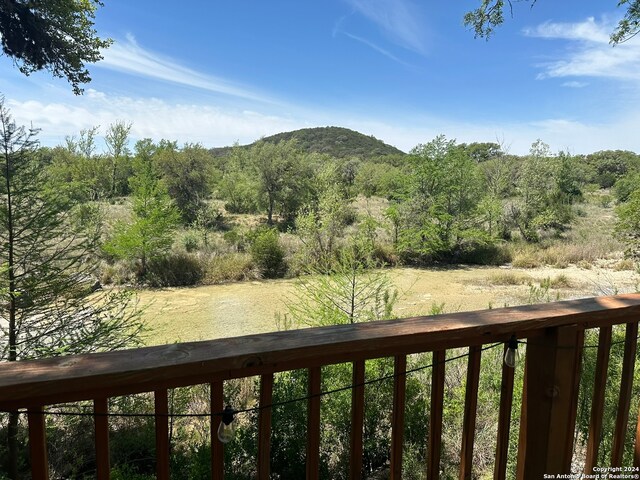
{"x": 547, "y": 425}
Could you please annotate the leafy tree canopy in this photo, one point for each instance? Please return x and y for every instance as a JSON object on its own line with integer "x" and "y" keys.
{"x": 56, "y": 35}
{"x": 490, "y": 14}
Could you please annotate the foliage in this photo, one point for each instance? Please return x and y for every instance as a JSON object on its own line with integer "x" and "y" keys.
{"x": 48, "y": 249}
{"x": 185, "y": 173}
{"x": 380, "y": 179}
{"x": 150, "y": 234}
{"x": 545, "y": 192}
{"x": 174, "y": 270}
{"x": 56, "y": 35}
{"x": 117, "y": 139}
{"x": 349, "y": 292}
{"x": 321, "y": 225}
{"x": 77, "y": 166}
{"x": 268, "y": 254}
{"x": 606, "y": 167}
{"x": 207, "y": 219}
{"x": 628, "y": 224}
{"x": 625, "y": 186}
{"x": 440, "y": 210}
{"x": 238, "y": 187}
{"x": 490, "y": 14}
{"x": 281, "y": 177}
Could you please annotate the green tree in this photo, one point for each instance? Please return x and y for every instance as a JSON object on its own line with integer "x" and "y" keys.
{"x": 117, "y": 139}
{"x": 321, "y": 224}
{"x": 56, "y": 35}
{"x": 238, "y": 187}
{"x": 268, "y": 254}
{"x": 351, "y": 291}
{"x": 77, "y": 165}
{"x": 150, "y": 234}
{"x": 277, "y": 168}
{"x": 490, "y": 14}
{"x": 186, "y": 174}
{"x": 440, "y": 209}
{"x": 46, "y": 305}
{"x": 628, "y": 224}
{"x": 608, "y": 166}
{"x": 545, "y": 191}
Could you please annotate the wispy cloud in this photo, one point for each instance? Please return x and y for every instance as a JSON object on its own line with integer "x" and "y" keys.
{"x": 375, "y": 47}
{"x": 575, "y": 84}
{"x": 590, "y": 54}
{"x": 398, "y": 19}
{"x": 588, "y": 30}
{"x": 129, "y": 57}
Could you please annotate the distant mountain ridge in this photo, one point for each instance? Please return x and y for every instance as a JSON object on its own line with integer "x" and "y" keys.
{"x": 338, "y": 142}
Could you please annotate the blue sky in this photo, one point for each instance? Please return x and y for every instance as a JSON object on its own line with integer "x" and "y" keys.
{"x": 403, "y": 71}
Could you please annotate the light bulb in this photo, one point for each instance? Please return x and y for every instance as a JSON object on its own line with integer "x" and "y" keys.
{"x": 227, "y": 429}
{"x": 511, "y": 355}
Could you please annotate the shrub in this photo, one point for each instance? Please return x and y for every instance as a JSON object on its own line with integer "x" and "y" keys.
{"x": 175, "y": 270}
{"x": 233, "y": 267}
{"x": 190, "y": 242}
{"x": 485, "y": 254}
{"x": 268, "y": 254}
{"x": 509, "y": 278}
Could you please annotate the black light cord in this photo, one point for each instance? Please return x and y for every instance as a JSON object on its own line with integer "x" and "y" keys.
{"x": 569, "y": 347}
{"x": 259, "y": 407}
{"x": 292, "y": 400}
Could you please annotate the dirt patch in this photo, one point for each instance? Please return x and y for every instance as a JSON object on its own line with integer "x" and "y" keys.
{"x": 217, "y": 311}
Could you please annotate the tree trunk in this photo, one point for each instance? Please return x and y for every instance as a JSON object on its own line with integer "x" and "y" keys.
{"x": 12, "y": 437}
{"x": 270, "y": 213}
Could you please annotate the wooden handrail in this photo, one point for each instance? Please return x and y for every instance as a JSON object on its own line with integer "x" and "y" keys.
{"x": 85, "y": 377}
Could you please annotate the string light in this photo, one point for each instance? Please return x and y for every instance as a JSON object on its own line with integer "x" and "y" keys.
{"x": 227, "y": 427}
{"x": 511, "y": 355}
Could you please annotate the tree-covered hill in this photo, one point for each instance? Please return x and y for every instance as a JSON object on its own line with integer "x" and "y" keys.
{"x": 336, "y": 141}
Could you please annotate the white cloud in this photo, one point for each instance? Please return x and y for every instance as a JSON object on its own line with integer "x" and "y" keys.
{"x": 575, "y": 84}
{"x": 590, "y": 54}
{"x": 151, "y": 117}
{"x": 588, "y": 30}
{"x": 216, "y": 126}
{"x": 397, "y": 19}
{"x": 129, "y": 57}
{"x": 375, "y": 47}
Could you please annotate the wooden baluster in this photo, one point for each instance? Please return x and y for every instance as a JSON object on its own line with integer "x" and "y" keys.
{"x": 636, "y": 449}
{"x": 101, "y": 425}
{"x": 161, "y": 400}
{"x": 597, "y": 405}
{"x": 470, "y": 408}
{"x": 565, "y": 401}
{"x": 504, "y": 421}
{"x": 313, "y": 424}
{"x": 264, "y": 426}
{"x": 624, "y": 401}
{"x": 397, "y": 422}
{"x": 545, "y": 443}
{"x": 38, "y": 444}
{"x": 357, "y": 420}
{"x": 435, "y": 424}
{"x": 217, "y": 447}
{"x": 522, "y": 431}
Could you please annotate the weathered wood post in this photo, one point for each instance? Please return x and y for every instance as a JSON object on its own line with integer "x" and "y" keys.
{"x": 550, "y": 404}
